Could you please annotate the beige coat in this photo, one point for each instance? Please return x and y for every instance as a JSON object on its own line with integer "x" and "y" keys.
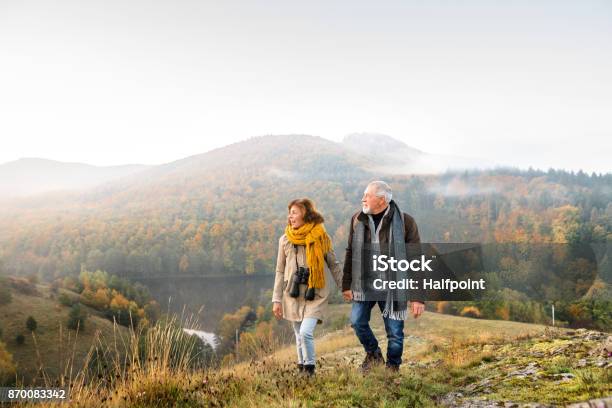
{"x": 296, "y": 309}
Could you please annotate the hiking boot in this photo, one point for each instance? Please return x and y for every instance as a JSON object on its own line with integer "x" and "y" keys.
{"x": 309, "y": 369}
{"x": 392, "y": 367}
{"x": 372, "y": 359}
{"x": 300, "y": 367}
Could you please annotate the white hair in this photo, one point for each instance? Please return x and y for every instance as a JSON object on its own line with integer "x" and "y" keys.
{"x": 382, "y": 189}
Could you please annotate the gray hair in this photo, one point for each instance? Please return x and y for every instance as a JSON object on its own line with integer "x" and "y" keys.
{"x": 382, "y": 189}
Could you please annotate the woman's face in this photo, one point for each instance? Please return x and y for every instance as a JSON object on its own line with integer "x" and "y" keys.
{"x": 296, "y": 217}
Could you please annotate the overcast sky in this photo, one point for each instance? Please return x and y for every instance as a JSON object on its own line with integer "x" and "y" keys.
{"x": 114, "y": 82}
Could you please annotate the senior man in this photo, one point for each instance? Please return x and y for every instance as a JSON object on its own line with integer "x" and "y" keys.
{"x": 380, "y": 223}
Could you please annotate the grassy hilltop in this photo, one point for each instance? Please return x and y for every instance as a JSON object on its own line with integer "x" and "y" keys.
{"x": 52, "y": 345}
{"x": 448, "y": 361}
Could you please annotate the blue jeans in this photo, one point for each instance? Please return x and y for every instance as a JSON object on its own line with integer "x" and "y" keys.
{"x": 360, "y": 321}
{"x": 304, "y": 340}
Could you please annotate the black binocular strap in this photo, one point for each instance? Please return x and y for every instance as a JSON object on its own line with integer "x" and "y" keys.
{"x": 297, "y": 265}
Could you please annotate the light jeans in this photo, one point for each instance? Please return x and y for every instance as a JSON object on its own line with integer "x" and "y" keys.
{"x": 304, "y": 340}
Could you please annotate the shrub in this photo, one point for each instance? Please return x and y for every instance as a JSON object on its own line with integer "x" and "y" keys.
{"x": 152, "y": 311}
{"x": 20, "y": 339}
{"x": 31, "y": 324}
{"x": 76, "y": 317}
{"x": 470, "y": 311}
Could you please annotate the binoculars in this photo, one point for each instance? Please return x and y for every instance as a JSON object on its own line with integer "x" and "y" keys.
{"x": 301, "y": 278}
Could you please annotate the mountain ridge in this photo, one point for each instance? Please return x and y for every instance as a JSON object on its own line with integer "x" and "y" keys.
{"x": 34, "y": 175}
{"x": 372, "y": 152}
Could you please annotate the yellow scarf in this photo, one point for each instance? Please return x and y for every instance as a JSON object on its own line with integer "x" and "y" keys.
{"x": 317, "y": 243}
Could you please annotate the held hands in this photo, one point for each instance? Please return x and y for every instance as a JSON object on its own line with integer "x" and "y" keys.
{"x": 416, "y": 308}
{"x": 277, "y": 309}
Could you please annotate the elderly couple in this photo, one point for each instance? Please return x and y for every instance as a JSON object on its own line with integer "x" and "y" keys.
{"x": 301, "y": 291}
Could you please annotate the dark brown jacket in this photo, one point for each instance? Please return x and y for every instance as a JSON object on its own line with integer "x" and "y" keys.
{"x": 411, "y": 236}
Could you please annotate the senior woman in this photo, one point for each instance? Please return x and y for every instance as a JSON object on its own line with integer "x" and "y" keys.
{"x": 301, "y": 290}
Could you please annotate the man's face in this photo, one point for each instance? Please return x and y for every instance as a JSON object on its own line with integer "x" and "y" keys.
{"x": 370, "y": 203}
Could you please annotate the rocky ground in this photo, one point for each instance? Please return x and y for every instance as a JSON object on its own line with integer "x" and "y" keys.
{"x": 551, "y": 367}
{"x": 555, "y": 366}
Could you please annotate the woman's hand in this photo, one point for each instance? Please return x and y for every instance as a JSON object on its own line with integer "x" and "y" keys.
{"x": 277, "y": 309}
{"x": 347, "y": 295}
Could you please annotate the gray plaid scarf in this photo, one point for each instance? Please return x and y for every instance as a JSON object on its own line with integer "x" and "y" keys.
{"x": 396, "y": 299}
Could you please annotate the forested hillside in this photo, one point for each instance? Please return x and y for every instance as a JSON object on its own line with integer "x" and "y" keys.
{"x": 222, "y": 212}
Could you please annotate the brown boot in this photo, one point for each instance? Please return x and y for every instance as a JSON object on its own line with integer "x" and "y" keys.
{"x": 371, "y": 360}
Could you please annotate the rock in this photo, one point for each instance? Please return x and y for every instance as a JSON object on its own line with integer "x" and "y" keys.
{"x": 485, "y": 382}
{"x": 559, "y": 350}
{"x": 594, "y": 335}
{"x": 564, "y": 376}
{"x": 582, "y": 362}
{"x": 594, "y": 403}
{"x": 530, "y": 370}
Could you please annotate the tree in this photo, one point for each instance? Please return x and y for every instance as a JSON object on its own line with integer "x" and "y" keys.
{"x": 233, "y": 323}
{"x": 152, "y": 311}
{"x": 20, "y": 339}
{"x": 123, "y": 309}
{"x": 101, "y": 299}
{"x": 76, "y": 317}
{"x": 31, "y": 324}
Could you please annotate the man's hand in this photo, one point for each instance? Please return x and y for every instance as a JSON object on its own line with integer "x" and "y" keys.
{"x": 417, "y": 308}
{"x": 347, "y": 295}
{"x": 277, "y": 309}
